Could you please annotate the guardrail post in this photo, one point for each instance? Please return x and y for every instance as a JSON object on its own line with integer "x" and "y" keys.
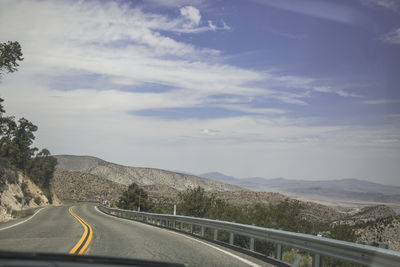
{"x": 251, "y": 243}
{"x": 278, "y": 252}
{"x": 174, "y": 224}
{"x": 167, "y": 223}
{"x": 215, "y": 234}
{"x": 182, "y": 226}
{"x": 191, "y": 228}
{"x": 231, "y": 238}
{"x": 317, "y": 260}
{"x": 203, "y": 230}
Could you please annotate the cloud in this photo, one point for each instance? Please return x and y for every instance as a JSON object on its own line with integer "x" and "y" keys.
{"x": 193, "y": 16}
{"x": 381, "y": 101}
{"x": 339, "y": 92}
{"x": 392, "y": 37}
{"x": 208, "y": 131}
{"x": 174, "y": 3}
{"x": 347, "y": 94}
{"x": 225, "y": 26}
{"x": 390, "y": 4}
{"x": 211, "y": 25}
{"x": 318, "y": 9}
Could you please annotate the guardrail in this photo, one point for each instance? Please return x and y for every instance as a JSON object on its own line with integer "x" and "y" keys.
{"x": 315, "y": 245}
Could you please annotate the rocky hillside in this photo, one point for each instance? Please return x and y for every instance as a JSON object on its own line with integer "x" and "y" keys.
{"x": 142, "y": 176}
{"x": 85, "y": 186}
{"x": 247, "y": 197}
{"x": 384, "y": 230}
{"x": 18, "y": 192}
{"x": 366, "y": 215}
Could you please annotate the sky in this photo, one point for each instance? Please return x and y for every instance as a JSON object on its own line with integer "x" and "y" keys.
{"x": 250, "y": 88}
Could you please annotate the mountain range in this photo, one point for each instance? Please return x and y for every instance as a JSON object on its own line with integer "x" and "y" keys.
{"x": 339, "y": 193}
{"x": 350, "y": 191}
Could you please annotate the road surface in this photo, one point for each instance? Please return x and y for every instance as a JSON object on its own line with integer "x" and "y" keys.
{"x": 56, "y": 229}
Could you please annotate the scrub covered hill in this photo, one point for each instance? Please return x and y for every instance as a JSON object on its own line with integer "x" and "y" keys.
{"x": 142, "y": 176}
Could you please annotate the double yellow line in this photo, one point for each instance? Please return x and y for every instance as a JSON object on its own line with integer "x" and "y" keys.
{"x": 84, "y": 242}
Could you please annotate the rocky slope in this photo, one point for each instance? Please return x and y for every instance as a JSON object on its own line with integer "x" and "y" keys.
{"x": 142, "y": 176}
{"x": 85, "y": 186}
{"x": 89, "y": 178}
{"x": 384, "y": 230}
{"x": 18, "y": 192}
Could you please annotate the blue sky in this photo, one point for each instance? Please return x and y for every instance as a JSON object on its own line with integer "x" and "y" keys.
{"x": 296, "y": 89}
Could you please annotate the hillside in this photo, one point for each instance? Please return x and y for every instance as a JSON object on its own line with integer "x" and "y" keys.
{"x": 18, "y": 193}
{"x": 142, "y": 176}
{"x": 372, "y": 224}
{"x": 85, "y": 186}
{"x": 384, "y": 230}
{"x": 343, "y": 192}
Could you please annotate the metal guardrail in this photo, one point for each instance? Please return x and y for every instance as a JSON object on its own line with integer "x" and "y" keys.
{"x": 315, "y": 245}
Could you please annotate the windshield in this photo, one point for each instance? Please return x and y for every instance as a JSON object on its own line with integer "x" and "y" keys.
{"x": 283, "y": 115}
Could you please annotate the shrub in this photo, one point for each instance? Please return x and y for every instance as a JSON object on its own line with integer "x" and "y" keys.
{"x": 37, "y": 200}
{"x": 18, "y": 198}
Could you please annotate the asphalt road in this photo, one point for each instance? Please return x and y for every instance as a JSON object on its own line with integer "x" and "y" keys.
{"x": 54, "y": 229}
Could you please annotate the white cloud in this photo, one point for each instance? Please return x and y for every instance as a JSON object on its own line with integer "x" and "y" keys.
{"x": 125, "y": 44}
{"x": 347, "y": 94}
{"x": 225, "y": 26}
{"x": 328, "y": 10}
{"x": 381, "y": 101}
{"x": 390, "y": 4}
{"x": 128, "y": 46}
{"x": 211, "y": 25}
{"x": 174, "y": 3}
{"x": 193, "y": 16}
{"x": 392, "y": 37}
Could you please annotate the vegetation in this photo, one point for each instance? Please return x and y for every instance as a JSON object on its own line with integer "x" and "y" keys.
{"x": 18, "y": 198}
{"x": 10, "y": 53}
{"x": 134, "y": 197}
{"x": 26, "y": 192}
{"x": 37, "y": 200}
{"x": 16, "y": 137}
{"x": 343, "y": 232}
{"x": 285, "y": 215}
{"x": 194, "y": 202}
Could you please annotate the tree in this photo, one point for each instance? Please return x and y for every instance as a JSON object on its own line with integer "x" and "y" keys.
{"x": 133, "y": 197}
{"x": 194, "y": 202}
{"x": 41, "y": 169}
{"x": 343, "y": 232}
{"x": 10, "y": 53}
{"x": 286, "y": 216}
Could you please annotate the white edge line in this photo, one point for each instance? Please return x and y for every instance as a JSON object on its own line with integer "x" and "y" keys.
{"x": 204, "y": 243}
{"x": 22, "y": 221}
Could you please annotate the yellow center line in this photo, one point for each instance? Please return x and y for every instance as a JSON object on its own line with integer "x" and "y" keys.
{"x": 85, "y": 239}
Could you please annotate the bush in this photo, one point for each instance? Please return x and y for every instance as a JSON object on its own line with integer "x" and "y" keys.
{"x": 343, "y": 232}
{"x": 18, "y": 198}
{"x": 37, "y": 200}
{"x": 134, "y": 197}
{"x": 194, "y": 202}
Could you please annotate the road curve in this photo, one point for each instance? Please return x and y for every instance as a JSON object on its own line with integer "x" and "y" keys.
{"x": 55, "y": 230}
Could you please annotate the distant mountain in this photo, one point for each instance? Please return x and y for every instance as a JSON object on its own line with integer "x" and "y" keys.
{"x": 143, "y": 176}
{"x": 217, "y": 176}
{"x": 341, "y": 190}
